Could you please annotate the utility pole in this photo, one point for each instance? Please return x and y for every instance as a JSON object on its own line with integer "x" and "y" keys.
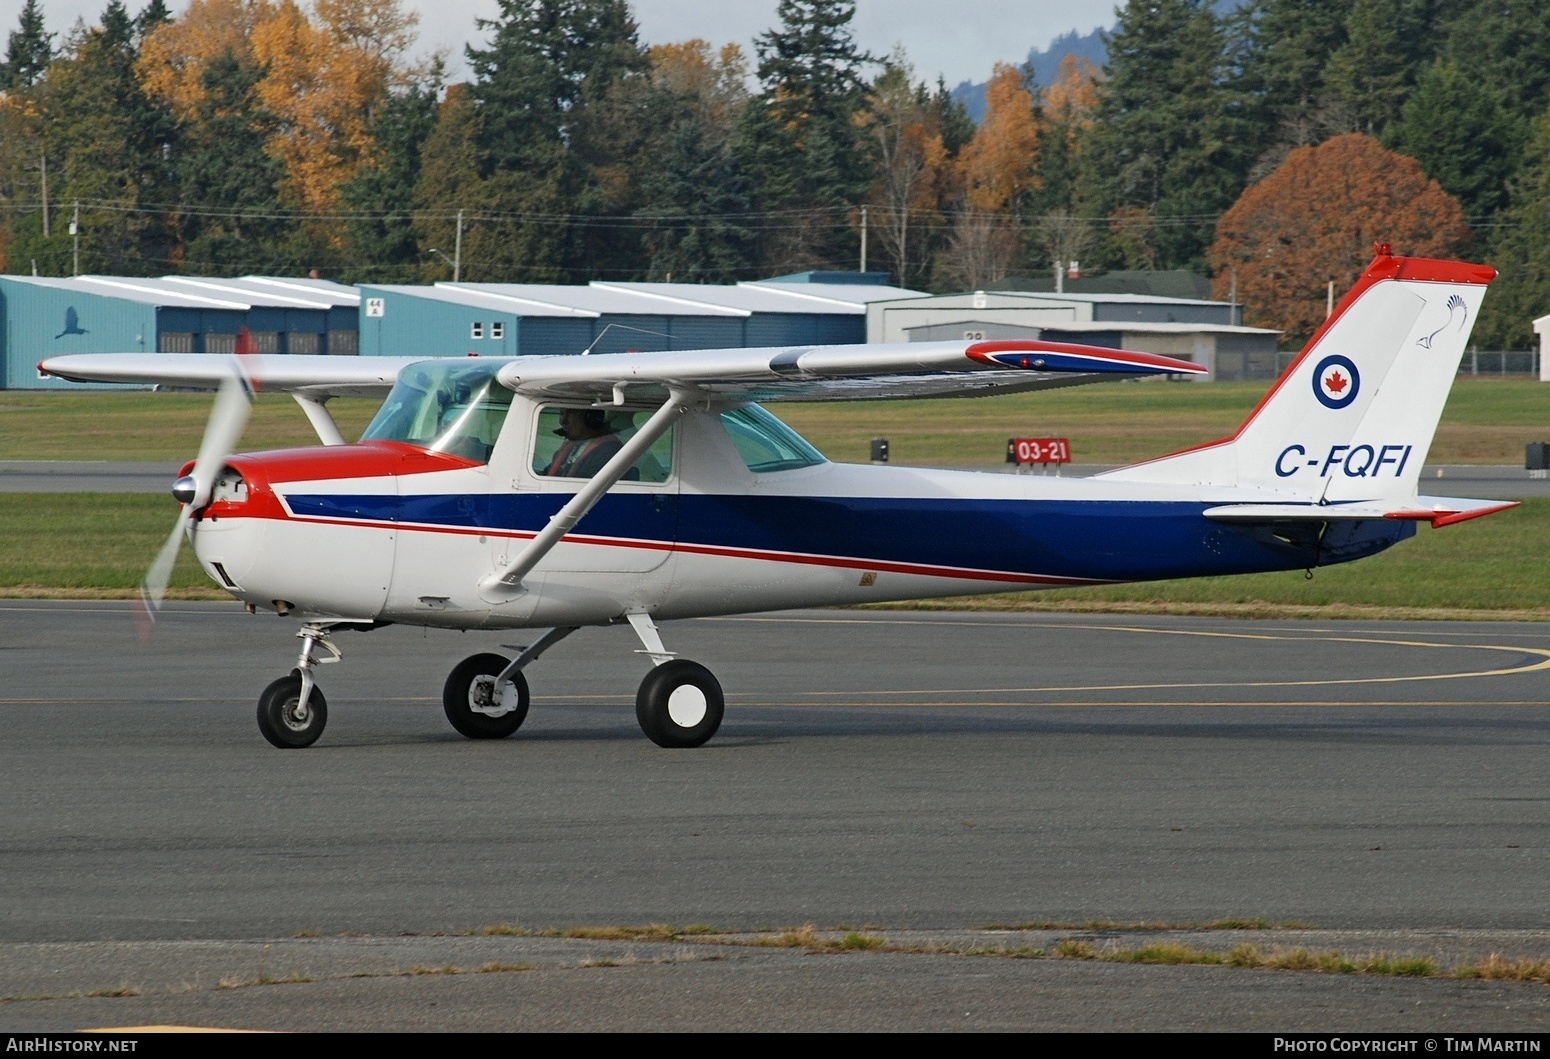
{"x": 457, "y": 250}
{"x": 863, "y": 238}
{"x": 75, "y": 240}
{"x": 43, "y": 165}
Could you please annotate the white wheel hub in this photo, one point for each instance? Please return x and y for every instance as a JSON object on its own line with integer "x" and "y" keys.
{"x": 492, "y": 700}
{"x": 686, "y": 705}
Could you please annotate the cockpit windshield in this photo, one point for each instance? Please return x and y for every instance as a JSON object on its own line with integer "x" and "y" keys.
{"x": 451, "y": 406}
{"x": 765, "y": 443}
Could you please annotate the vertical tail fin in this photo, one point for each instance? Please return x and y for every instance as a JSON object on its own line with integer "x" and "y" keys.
{"x": 1353, "y": 416}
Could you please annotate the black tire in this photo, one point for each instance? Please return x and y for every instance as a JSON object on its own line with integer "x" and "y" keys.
{"x": 278, "y": 719}
{"x": 465, "y": 688}
{"x": 685, "y": 689}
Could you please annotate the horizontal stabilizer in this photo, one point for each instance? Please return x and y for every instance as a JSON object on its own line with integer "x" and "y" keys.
{"x": 1438, "y": 510}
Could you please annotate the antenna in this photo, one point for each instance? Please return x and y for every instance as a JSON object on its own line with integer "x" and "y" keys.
{"x": 623, "y": 327}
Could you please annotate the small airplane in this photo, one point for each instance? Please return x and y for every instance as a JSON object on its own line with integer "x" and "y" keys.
{"x": 561, "y": 492}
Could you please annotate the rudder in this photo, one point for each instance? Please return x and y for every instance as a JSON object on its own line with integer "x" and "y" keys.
{"x": 1353, "y": 416}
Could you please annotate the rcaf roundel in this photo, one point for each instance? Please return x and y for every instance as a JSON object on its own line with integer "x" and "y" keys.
{"x": 1336, "y": 381}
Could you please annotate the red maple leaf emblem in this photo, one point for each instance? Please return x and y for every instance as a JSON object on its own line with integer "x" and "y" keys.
{"x": 1335, "y": 382}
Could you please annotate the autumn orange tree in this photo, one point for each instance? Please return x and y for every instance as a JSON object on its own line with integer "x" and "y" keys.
{"x": 997, "y": 170}
{"x": 1315, "y": 219}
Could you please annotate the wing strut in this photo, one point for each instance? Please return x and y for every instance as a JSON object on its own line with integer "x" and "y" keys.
{"x": 320, "y": 418}
{"x": 506, "y": 583}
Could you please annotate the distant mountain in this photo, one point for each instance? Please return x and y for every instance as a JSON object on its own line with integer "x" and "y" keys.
{"x": 1044, "y": 64}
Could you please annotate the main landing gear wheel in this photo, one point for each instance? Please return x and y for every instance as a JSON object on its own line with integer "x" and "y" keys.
{"x": 679, "y": 704}
{"x": 476, "y": 707}
{"x": 283, "y": 720}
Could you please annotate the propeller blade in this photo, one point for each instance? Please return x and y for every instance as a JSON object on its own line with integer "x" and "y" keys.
{"x": 154, "y": 588}
{"x": 228, "y": 418}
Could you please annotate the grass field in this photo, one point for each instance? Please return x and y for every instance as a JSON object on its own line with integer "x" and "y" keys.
{"x": 1487, "y": 420}
{"x": 98, "y": 546}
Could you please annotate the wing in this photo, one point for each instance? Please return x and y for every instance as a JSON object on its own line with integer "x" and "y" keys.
{"x": 837, "y": 373}
{"x": 308, "y": 376}
{"x": 781, "y": 373}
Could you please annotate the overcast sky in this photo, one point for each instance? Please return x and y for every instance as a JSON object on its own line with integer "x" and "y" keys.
{"x": 959, "y": 43}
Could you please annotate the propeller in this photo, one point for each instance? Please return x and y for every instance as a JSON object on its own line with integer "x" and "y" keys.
{"x": 228, "y": 417}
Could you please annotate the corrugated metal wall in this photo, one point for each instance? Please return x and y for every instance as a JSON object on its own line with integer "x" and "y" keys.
{"x": 42, "y": 322}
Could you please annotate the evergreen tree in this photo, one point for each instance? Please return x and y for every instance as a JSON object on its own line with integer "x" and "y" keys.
{"x": 154, "y": 15}
{"x": 107, "y": 172}
{"x": 28, "y": 51}
{"x": 809, "y": 162}
{"x": 1284, "y": 49}
{"x": 232, "y": 221}
{"x": 1504, "y": 45}
{"x": 1517, "y": 297}
{"x": 1462, "y": 133}
{"x": 692, "y": 194}
{"x": 1369, "y": 77}
{"x": 555, "y": 91}
{"x": 381, "y": 240}
{"x": 1171, "y": 147}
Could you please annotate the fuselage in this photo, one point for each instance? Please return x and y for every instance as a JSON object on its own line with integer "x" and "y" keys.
{"x": 392, "y": 530}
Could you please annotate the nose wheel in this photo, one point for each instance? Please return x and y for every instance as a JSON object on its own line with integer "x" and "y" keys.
{"x": 292, "y": 710}
{"x": 288, "y": 718}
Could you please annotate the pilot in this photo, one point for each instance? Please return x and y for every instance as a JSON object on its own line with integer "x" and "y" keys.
{"x": 589, "y": 443}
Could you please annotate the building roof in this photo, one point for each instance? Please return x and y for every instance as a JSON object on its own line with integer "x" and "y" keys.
{"x": 1137, "y": 326}
{"x": 1168, "y": 283}
{"x": 1018, "y": 297}
{"x": 600, "y": 298}
{"x": 197, "y": 292}
{"x": 849, "y": 279}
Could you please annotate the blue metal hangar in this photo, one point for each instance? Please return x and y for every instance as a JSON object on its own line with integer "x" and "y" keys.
{"x": 42, "y": 317}
{"x": 519, "y": 319}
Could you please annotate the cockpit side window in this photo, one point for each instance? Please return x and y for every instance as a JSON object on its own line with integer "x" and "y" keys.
{"x": 765, "y": 443}
{"x": 577, "y": 442}
{"x": 456, "y": 407}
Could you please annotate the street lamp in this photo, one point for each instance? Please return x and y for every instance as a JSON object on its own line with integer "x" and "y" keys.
{"x": 448, "y": 260}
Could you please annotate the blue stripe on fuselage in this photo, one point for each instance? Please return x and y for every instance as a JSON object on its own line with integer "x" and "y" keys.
{"x": 1095, "y": 539}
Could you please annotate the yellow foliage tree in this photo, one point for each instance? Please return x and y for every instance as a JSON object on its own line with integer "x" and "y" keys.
{"x": 714, "y": 82}
{"x": 322, "y": 78}
{"x": 1001, "y": 162}
{"x": 175, "y": 55}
